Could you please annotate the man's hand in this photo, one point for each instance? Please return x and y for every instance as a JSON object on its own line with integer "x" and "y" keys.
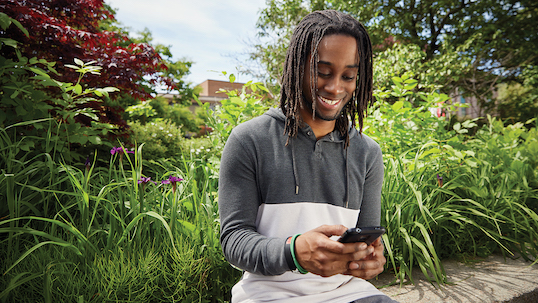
{"x": 320, "y": 255}
{"x": 372, "y": 265}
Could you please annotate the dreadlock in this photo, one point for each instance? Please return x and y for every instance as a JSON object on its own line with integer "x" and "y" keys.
{"x": 304, "y": 42}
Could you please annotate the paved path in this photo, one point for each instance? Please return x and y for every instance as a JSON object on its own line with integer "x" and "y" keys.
{"x": 495, "y": 279}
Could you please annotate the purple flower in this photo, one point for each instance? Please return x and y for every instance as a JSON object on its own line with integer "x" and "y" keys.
{"x": 172, "y": 180}
{"x": 144, "y": 180}
{"x": 87, "y": 163}
{"x": 120, "y": 150}
{"x": 439, "y": 180}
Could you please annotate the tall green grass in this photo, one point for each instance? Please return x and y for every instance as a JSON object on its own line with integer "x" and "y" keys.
{"x": 108, "y": 237}
{"x": 434, "y": 208}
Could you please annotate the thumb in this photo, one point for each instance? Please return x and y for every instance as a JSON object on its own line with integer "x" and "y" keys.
{"x": 331, "y": 230}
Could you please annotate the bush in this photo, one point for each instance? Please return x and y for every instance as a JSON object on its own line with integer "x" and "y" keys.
{"x": 159, "y": 109}
{"x": 161, "y": 138}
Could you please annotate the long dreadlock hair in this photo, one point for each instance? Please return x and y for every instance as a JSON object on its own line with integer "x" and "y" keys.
{"x": 304, "y": 42}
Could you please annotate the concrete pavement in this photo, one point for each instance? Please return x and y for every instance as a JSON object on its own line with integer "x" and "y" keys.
{"x": 494, "y": 279}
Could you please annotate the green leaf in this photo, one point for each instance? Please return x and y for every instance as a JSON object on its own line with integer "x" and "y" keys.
{"x": 471, "y": 163}
{"x": 79, "y": 139}
{"x": 35, "y": 247}
{"x": 20, "y": 110}
{"x": 5, "y": 21}
{"x": 78, "y": 62}
{"x": 78, "y": 89}
{"x": 95, "y": 140}
{"x": 191, "y": 227}
{"x": 9, "y": 42}
{"x": 39, "y": 71}
{"x": 72, "y": 66}
{"x": 397, "y": 105}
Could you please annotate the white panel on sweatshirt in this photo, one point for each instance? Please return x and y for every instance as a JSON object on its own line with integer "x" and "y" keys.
{"x": 300, "y": 217}
{"x": 296, "y": 218}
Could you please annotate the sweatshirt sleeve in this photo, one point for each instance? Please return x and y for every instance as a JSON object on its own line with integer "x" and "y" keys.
{"x": 239, "y": 200}
{"x": 370, "y": 214}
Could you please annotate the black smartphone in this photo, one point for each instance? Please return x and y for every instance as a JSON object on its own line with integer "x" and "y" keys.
{"x": 362, "y": 234}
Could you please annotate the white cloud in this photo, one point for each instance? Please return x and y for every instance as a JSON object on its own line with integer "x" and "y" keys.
{"x": 204, "y": 31}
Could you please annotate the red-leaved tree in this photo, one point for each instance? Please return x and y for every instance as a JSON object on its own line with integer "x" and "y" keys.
{"x": 61, "y": 30}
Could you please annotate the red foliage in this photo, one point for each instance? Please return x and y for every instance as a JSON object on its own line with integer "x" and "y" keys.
{"x": 61, "y": 30}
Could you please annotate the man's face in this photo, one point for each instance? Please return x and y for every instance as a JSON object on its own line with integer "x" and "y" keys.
{"x": 337, "y": 77}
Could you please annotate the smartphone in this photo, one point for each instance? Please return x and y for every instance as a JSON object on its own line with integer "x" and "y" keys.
{"x": 362, "y": 234}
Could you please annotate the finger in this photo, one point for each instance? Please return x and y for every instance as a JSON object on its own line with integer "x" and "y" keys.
{"x": 377, "y": 242}
{"x": 354, "y": 247}
{"x": 362, "y": 253}
{"x": 354, "y": 265}
{"x": 365, "y": 269}
{"x": 331, "y": 230}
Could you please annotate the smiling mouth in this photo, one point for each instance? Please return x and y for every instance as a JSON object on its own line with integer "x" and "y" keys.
{"x": 329, "y": 101}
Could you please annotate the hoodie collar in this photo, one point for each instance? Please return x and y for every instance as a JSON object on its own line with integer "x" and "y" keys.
{"x": 334, "y": 135}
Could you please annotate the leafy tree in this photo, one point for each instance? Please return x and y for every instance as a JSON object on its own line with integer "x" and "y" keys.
{"x": 60, "y": 31}
{"x": 500, "y": 35}
{"x": 518, "y": 102}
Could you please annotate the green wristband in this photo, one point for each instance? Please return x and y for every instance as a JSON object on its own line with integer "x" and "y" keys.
{"x": 292, "y": 246}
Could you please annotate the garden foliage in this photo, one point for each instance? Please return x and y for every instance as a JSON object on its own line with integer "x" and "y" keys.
{"x": 142, "y": 224}
{"x": 447, "y": 194}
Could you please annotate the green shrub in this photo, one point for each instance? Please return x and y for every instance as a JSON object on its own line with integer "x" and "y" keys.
{"x": 182, "y": 115}
{"x": 159, "y": 109}
{"x": 240, "y": 106}
{"x": 161, "y": 139}
{"x": 65, "y": 116}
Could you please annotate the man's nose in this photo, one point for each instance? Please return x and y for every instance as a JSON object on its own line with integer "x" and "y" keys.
{"x": 335, "y": 86}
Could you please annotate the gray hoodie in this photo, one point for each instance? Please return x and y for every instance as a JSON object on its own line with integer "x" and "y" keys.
{"x": 269, "y": 191}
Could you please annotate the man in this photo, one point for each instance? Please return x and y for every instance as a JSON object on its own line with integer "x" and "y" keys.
{"x": 296, "y": 176}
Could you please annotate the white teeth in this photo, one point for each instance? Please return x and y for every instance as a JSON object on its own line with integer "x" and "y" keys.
{"x": 329, "y": 101}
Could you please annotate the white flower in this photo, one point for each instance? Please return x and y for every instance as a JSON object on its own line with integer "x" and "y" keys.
{"x": 170, "y": 135}
{"x": 154, "y": 135}
{"x": 208, "y": 150}
{"x": 192, "y": 150}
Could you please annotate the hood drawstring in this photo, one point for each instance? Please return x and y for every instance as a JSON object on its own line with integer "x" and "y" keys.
{"x": 295, "y": 174}
{"x": 347, "y": 177}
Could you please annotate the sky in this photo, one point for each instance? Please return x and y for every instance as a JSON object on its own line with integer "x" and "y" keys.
{"x": 213, "y": 34}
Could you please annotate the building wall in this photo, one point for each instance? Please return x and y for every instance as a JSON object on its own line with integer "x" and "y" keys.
{"x": 210, "y": 87}
{"x": 473, "y": 110}
{"x": 209, "y": 92}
